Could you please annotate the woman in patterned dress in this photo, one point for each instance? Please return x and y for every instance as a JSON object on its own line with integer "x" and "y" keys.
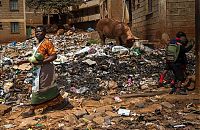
{"x": 44, "y": 91}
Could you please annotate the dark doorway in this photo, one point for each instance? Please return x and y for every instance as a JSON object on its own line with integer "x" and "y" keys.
{"x": 58, "y": 19}
{"x": 129, "y": 6}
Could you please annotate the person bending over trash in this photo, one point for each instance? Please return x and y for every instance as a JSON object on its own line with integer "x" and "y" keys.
{"x": 44, "y": 91}
{"x": 176, "y": 61}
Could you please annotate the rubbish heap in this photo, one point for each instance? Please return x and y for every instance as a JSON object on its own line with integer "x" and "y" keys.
{"x": 84, "y": 69}
{"x": 98, "y": 81}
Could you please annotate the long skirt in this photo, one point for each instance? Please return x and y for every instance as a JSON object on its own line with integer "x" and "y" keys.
{"x": 44, "y": 90}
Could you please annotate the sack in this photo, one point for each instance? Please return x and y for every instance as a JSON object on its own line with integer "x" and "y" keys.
{"x": 172, "y": 52}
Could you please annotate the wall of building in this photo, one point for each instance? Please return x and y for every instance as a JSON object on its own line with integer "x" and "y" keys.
{"x": 86, "y": 15}
{"x": 7, "y": 16}
{"x": 33, "y": 18}
{"x": 7, "y": 36}
{"x": 181, "y": 17}
{"x": 98, "y": 9}
{"x": 116, "y": 9}
{"x": 167, "y": 16}
{"x": 86, "y": 12}
{"x": 146, "y": 24}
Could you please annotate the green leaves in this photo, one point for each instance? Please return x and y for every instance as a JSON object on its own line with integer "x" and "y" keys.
{"x": 62, "y": 6}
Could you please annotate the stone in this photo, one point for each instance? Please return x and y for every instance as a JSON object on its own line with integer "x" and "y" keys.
{"x": 112, "y": 91}
{"x": 14, "y": 115}
{"x": 115, "y": 120}
{"x": 185, "y": 110}
{"x": 4, "y": 109}
{"x": 191, "y": 117}
{"x": 161, "y": 127}
{"x": 71, "y": 119}
{"x": 68, "y": 128}
{"x": 104, "y": 109}
{"x": 80, "y": 125}
{"x": 80, "y": 113}
{"x": 97, "y": 114}
{"x": 91, "y": 103}
{"x": 136, "y": 102}
{"x": 89, "y": 117}
{"x": 100, "y": 110}
{"x": 145, "y": 86}
{"x": 167, "y": 105}
{"x": 112, "y": 84}
{"x": 140, "y": 105}
{"x": 149, "y": 109}
{"x": 90, "y": 126}
{"x": 99, "y": 120}
{"x": 111, "y": 114}
{"x": 151, "y": 126}
{"x": 28, "y": 121}
{"x": 168, "y": 110}
{"x": 56, "y": 114}
{"x": 89, "y": 62}
{"x": 198, "y": 117}
{"x": 107, "y": 101}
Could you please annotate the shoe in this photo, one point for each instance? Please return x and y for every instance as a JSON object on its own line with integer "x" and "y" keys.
{"x": 173, "y": 90}
{"x": 63, "y": 105}
{"x": 46, "y": 110}
{"x": 160, "y": 85}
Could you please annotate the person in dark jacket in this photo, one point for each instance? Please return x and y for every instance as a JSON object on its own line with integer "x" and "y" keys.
{"x": 179, "y": 66}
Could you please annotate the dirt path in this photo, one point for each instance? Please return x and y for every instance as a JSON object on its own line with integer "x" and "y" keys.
{"x": 149, "y": 112}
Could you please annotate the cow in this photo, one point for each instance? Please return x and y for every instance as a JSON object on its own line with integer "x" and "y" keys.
{"x": 113, "y": 29}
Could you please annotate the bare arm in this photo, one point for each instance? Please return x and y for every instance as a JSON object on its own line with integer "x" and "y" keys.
{"x": 50, "y": 59}
{"x": 189, "y": 46}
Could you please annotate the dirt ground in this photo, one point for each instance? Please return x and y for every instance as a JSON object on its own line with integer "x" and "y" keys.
{"x": 156, "y": 112}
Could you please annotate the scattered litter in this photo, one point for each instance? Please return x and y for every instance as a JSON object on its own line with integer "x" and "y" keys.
{"x": 124, "y": 112}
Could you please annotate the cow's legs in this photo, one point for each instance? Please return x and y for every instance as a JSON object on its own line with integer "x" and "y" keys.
{"x": 103, "y": 39}
{"x": 121, "y": 41}
{"x": 117, "y": 41}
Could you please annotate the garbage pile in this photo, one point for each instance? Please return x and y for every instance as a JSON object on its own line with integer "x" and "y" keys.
{"x": 84, "y": 69}
{"x": 96, "y": 79}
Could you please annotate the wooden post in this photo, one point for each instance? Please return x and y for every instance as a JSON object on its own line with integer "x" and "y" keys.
{"x": 197, "y": 42}
{"x": 48, "y": 19}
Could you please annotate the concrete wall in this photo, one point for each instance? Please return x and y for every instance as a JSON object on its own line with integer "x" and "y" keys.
{"x": 181, "y": 17}
{"x": 7, "y": 16}
{"x": 116, "y": 9}
{"x": 146, "y": 24}
{"x": 86, "y": 15}
{"x": 7, "y": 36}
{"x": 33, "y": 18}
{"x": 86, "y": 12}
{"x": 167, "y": 16}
